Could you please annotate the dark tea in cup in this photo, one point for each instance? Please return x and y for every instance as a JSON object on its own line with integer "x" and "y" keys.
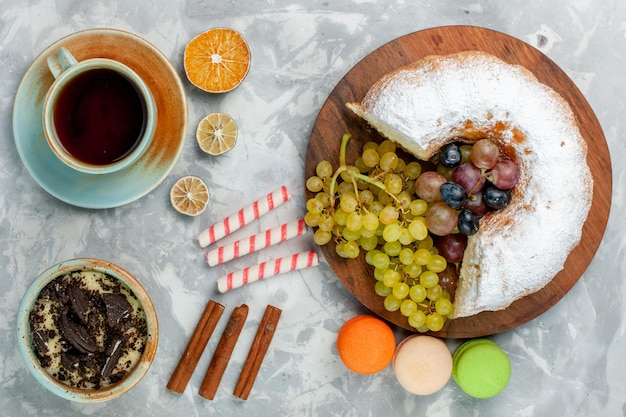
{"x": 99, "y": 116}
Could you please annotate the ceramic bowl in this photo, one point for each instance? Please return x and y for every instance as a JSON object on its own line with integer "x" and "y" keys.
{"x": 26, "y": 344}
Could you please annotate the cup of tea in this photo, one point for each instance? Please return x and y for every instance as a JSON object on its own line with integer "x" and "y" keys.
{"x": 99, "y": 116}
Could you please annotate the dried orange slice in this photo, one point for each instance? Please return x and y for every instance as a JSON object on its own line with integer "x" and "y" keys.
{"x": 217, "y": 60}
{"x": 189, "y": 195}
{"x": 217, "y": 133}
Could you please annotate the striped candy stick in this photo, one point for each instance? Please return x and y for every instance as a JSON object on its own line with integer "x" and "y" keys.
{"x": 243, "y": 217}
{"x": 256, "y": 242}
{"x": 267, "y": 269}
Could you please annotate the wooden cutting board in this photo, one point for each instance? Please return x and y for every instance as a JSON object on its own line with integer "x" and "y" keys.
{"x": 334, "y": 120}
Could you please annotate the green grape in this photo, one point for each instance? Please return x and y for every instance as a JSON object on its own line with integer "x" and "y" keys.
{"x": 418, "y": 207}
{"x": 381, "y": 289}
{"x": 348, "y": 173}
{"x": 405, "y": 237}
{"x": 391, "y": 303}
{"x": 366, "y": 197}
{"x": 388, "y": 161}
{"x": 426, "y": 243}
{"x": 400, "y": 290}
{"x": 354, "y": 221}
{"x": 339, "y": 248}
{"x": 391, "y": 232}
{"x": 406, "y": 256}
{"x": 351, "y": 249}
{"x": 392, "y": 248}
{"x": 387, "y": 145}
{"x": 379, "y": 273}
{"x": 312, "y": 219}
{"x": 437, "y": 263}
{"x": 368, "y": 243}
{"x": 417, "y": 293}
{"x": 388, "y": 215}
{"x": 370, "y": 221}
{"x": 368, "y": 233}
{"x": 417, "y": 228}
{"x": 376, "y": 207}
{"x": 370, "y": 157}
{"x": 443, "y": 306}
{"x": 324, "y": 198}
{"x": 413, "y": 270}
{"x": 434, "y": 293}
{"x": 326, "y": 222}
{"x": 340, "y": 217}
{"x": 314, "y": 184}
{"x": 384, "y": 197}
{"x": 408, "y": 307}
{"x": 401, "y": 166}
{"x": 422, "y": 256}
{"x": 324, "y": 169}
{"x": 351, "y": 235}
{"x": 345, "y": 187}
{"x": 404, "y": 200}
{"x": 429, "y": 279}
{"x": 413, "y": 170}
{"x": 391, "y": 277}
{"x": 315, "y": 206}
{"x": 370, "y": 145}
{"x": 322, "y": 237}
{"x": 435, "y": 322}
{"x": 393, "y": 182}
{"x": 369, "y": 256}
{"x": 417, "y": 319}
{"x": 348, "y": 203}
{"x": 380, "y": 260}
{"x": 360, "y": 165}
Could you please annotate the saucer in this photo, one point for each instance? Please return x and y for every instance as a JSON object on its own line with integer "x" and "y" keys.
{"x": 121, "y": 187}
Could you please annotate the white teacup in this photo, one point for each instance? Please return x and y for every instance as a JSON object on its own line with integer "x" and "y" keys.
{"x": 99, "y": 116}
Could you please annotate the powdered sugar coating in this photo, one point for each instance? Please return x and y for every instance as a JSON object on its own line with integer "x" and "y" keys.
{"x": 518, "y": 250}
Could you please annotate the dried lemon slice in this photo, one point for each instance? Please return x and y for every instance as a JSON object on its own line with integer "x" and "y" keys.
{"x": 217, "y": 133}
{"x": 189, "y": 195}
{"x": 217, "y": 60}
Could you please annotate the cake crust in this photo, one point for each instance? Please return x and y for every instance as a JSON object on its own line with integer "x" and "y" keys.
{"x": 473, "y": 95}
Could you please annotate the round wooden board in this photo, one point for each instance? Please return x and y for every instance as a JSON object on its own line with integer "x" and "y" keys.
{"x": 334, "y": 120}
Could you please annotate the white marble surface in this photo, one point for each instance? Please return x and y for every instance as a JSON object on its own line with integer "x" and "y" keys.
{"x": 569, "y": 361}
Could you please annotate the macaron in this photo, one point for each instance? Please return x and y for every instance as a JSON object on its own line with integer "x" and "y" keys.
{"x": 422, "y": 364}
{"x": 481, "y": 368}
{"x": 366, "y": 344}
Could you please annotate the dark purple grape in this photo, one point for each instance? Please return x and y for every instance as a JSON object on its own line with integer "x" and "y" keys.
{"x": 452, "y": 247}
{"x": 468, "y": 223}
{"x": 453, "y": 194}
{"x": 468, "y": 176}
{"x": 450, "y": 155}
{"x": 476, "y": 204}
{"x": 505, "y": 174}
{"x": 496, "y": 198}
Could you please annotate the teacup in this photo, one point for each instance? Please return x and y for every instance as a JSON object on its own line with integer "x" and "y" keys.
{"x": 99, "y": 116}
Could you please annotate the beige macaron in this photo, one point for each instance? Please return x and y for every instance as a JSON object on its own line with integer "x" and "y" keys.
{"x": 422, "y": 364}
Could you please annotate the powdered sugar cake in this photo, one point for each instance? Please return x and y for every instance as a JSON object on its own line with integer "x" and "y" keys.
{"x": 335, "y": 119}
{"x": 472, "y": 95}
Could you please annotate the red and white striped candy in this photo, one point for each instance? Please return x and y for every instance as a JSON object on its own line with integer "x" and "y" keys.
{"x": 256, "y": 242}
{"x": 243, "y": 217}
{"x": 266, "y": 270}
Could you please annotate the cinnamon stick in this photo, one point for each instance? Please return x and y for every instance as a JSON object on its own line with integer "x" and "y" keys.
{"x": 198, "y": 341}
{"x": 223, "y": 352}
{"x": 257, "y": 352}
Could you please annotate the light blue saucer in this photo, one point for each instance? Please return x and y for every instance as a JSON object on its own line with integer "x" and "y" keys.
{"x": 127, "y": 185}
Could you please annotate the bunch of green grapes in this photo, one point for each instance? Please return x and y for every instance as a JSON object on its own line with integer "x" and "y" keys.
{"x": 371, "y": 205}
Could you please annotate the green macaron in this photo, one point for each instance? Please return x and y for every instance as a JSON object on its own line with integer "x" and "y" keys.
{"x": 480, "y": 368}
